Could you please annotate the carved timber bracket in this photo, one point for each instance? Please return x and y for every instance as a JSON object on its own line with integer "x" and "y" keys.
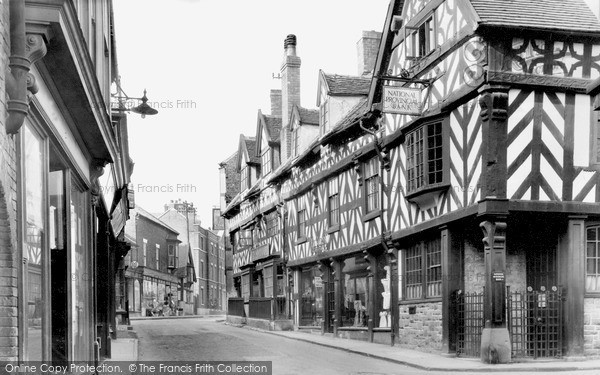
{"x": 494, "y": 234}
{"x": 96, "y": 171}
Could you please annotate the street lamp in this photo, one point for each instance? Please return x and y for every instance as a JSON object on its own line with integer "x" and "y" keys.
{"x": 119, "y": 105}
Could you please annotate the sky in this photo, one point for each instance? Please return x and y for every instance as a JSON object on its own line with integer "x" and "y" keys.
{"x": 208, "y": 68}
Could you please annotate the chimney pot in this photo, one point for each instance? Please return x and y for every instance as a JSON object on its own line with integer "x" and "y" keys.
{"x": 290, "y": 40}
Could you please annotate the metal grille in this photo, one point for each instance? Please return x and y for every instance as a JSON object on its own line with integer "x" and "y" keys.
{"x": 470, "y": 323}
{"x": 331, "y": 304}
{"x": 534, "y": 320}
{"x": 535, "y": 323}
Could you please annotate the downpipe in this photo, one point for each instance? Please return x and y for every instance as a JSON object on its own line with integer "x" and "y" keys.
{"x": 19, "y": 66}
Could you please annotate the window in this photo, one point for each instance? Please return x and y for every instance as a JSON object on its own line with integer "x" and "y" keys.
{"x": 171, "y": 256}
{"x": 245, "y": 238}
{"x": 424, "y": 157}
{"x": 271, "y": 219}
{"x": 157, "y": 256}
{"x": 421, "y": 40}
{"x": 296, "y": 140}
{"x": 145, "y": 251}
{"x": 244, "y": 178}
{"x": 324, "y": 114}
{"x": 333, "y": 201}
{"x": 371, "y": 174}
{"x": 592, "y": 260}
{"x": 301, "y": 223}
{"x": 423, "y": 270}
{"x": 202, "y": 268}
{"x": 266, "y": 162}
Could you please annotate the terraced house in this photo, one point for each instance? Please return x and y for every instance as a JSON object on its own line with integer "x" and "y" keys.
{"x": 477, "y": 122}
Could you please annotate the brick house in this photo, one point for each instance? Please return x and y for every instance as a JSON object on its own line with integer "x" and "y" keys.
{"x": 152, "y": 281}
{"x": 64, "y": 170}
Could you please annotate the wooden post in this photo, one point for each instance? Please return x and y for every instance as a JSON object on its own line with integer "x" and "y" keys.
{"x": 337, "y": 279}
{"x": 575, "y": 286}
{"x": 372, "y": 269}
{"x": 452, "y": 280}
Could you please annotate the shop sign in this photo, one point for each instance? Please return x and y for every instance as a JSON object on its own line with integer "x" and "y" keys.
{"x": 318, "y": 282}
{"x": 402, "y": 100}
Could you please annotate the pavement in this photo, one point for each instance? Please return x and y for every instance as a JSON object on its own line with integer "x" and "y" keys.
{"x": 432, "y": 361}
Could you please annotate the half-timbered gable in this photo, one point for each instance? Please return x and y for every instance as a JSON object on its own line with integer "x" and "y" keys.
{"x": 488, "y": 123}
{"x": 268, "y": 144}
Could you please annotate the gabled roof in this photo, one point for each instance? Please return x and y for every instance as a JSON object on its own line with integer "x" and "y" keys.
{"x": 352, "y": 118}
{"x": 271, "y": 126}
{"x": 247, "y": 149}
{"x": 346, "y": 85}
{"x": 153, "y": 218}
{"x": 569, "y": 15}
{"x": 306, "y": 116}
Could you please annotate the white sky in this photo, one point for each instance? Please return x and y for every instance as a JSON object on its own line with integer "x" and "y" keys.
{"x": 217, "y": 58}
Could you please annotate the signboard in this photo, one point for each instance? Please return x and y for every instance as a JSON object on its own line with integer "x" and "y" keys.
{"x": 218, "y": 222}
{"x": 318, "y": 282}
{"x": 402, "y": 100}
{"x": 259, "y": 253}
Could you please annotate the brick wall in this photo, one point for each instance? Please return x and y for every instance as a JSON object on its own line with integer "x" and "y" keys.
{"x": 423, "y": 329}
{"x": 367, "y": 50}
{"x": 8, "y": 263}
{"x": 591, "y": 327}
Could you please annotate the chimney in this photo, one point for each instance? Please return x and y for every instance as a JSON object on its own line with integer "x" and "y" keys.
{"x": 276, "y": 103}
{"x": 290, "y": 92}
{"x": 367, "y": 48}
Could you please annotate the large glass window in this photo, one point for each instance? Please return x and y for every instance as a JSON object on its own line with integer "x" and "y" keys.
{"x": 33, "y": 242}
{"x": 266, "y": 162}
{"x": 81, "y": 288}
{"x": 302, "y": 223}
{"x": 311, "y": 305}
{"x": 356, "y": 297}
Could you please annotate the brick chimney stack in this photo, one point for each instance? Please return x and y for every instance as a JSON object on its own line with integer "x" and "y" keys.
{"x": 276, "y": 103}
{"x": 367, "y": 49}
{"x": 290, "y": 92}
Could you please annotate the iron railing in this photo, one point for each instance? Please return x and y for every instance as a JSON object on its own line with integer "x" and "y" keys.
{"x": 279, "y": 307}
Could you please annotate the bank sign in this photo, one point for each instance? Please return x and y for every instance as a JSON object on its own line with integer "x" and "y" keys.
{"x": 402, "y": 100}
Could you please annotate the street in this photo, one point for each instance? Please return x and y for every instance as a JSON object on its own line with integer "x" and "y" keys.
{"x": 210, "y": 339}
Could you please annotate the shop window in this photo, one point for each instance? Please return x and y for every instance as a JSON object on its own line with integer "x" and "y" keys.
{"x": 421, "y": 40}
{"x": 333, "y": 202}
{"x": 355, "y": 290}
{"x": 311, "y": 304}
{"x": 423, "y": 270}
{"x": 371, "y": 176}
{"x": 425, "y": 158}
{"x": 592, "y": 260}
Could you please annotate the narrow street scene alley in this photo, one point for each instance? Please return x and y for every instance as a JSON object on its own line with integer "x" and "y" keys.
{"x": 210, "y": 339}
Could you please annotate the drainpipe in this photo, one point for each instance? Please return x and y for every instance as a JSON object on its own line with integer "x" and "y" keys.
{"x": 18, "y": 80}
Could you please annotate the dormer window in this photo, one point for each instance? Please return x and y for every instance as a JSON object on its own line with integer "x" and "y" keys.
{"x": 296, "y": 140}
{"x": 324, "y": 116}
{"x": 421, "y": 40}
{"x": 266, "y": 162}
{"x": 244, "y": 178}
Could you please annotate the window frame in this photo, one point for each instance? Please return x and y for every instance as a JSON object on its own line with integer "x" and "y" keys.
{"x": 145, "y": 252}
{"x": 171, "y": 254}
{"x": 423, "y": 253}
{"x": 244, "y": 177}
{"x": 324, "y": 116}
{"x": 334, "y": 225}
{"x": 413, "y": 193}
{"x": 371, "y": 175}
{"x": 157, "y": 249}
{"x": 301, "y": 234}
{"x": 267, "y": 165}
{"x": 296, "y": 138}
{"x": 592, "y": 226}
{"x": 418, "y": 43}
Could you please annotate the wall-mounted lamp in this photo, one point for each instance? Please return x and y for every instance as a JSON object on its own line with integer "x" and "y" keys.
{"x": 143, "y": 108}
